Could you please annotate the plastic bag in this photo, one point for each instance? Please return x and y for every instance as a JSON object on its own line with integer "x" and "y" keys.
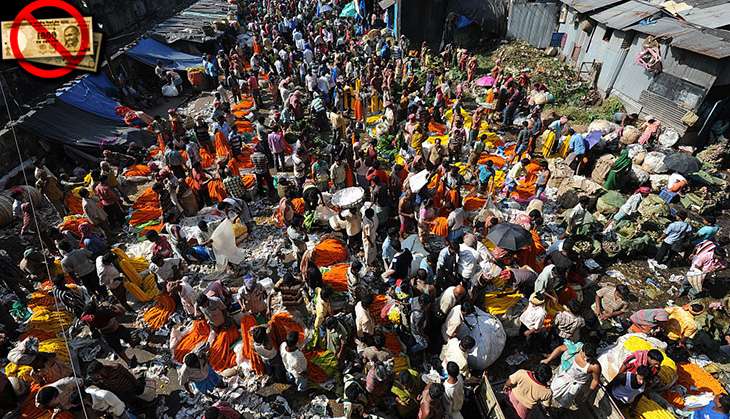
{"x": 669, "y": 138}
{"x": 630, "y": 135}
{"x": 639, "y": 174}
{"x": 654, "y": 162}
{"x": 224, "y": 246}
{"x": 602, "y": 125}
{"x": 169, "y": 90}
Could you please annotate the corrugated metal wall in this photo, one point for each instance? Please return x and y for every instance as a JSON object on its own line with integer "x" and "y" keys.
{"x": 533, "y": 22}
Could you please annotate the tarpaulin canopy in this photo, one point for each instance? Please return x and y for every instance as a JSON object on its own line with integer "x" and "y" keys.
{"x": 350, "y": 10}
{"x": 463, "y": 21}
{"x": 68, "y": 125}
{"x": 150, "y": 51}
{"x": 92, "y": 93}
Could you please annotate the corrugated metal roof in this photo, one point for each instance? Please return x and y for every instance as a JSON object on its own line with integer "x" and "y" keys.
{"x": 625, "y": 14}
{"x": 711, "y": 17}
{"x": 187, "y": 25}
{"x": 665, "y": 27}
{"x": 704, "y": 43}
{"x": 709, "y": 42}
{"x": 585, "y": 6}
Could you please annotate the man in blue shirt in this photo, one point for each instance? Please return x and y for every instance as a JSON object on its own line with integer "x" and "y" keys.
{"x": 388, "y": 249}
{"x": 707, "y": 231}
{"x": 211, "y": 68}
{"x": 577, "y": 148}
{"x": 674, "y": 236}
{"x": 486, "y": 171}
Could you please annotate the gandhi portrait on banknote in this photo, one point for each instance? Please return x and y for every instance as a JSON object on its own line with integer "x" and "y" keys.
{"x": 71, "y": 37}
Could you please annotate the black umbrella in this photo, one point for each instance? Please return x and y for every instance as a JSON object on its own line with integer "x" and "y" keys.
{"x": 509, "y": 236}
{"x": 682, "y": 163}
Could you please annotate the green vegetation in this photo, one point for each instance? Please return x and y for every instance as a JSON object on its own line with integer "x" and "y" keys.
{"x": 573, "y": 96}
{"x": 585, "y": 114}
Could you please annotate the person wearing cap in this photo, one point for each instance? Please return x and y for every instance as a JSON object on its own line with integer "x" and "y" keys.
{"x": 648, "y": 321}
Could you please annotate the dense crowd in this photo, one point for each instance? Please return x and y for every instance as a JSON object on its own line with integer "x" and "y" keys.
{"x": 422, "y": 235}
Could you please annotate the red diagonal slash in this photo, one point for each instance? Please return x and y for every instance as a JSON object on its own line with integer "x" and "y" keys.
{"x": 45, "y": 34}
{"x": 71, "y": 59}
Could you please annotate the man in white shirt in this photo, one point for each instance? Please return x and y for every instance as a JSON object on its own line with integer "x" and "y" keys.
{"x": 364, "y": 324}
{"x": 454, "y": 325}
{"x": 469, "y": 258}
{"x": 167, "y": 269}
{"x": 104, "y": 401}
{"x": 456, "y": 350}
{"x": 294, "y": 361}
{"x": 323, "y": 84}
{"x": 454, "y": 391}
{"x": 456, "y": 223}
{"x": 450, "y": 298}
{"x": 110, "y": 277}
{"x": 308, "y": 56}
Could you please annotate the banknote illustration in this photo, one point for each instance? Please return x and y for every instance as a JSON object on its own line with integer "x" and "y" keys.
{"x": 90, "y": 62}
{"x": 36, "y": 44}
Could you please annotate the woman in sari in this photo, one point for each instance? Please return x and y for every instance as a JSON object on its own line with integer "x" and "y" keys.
{"x": 552, "y": 136}
{"x": 620, "y": 168}
{"x": 578, "y": 366}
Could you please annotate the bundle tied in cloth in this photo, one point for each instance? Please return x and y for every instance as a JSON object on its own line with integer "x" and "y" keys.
{"x": 196, "y": 335}
{"x": 336, "y": 276}
{"x": 329, "y": 252}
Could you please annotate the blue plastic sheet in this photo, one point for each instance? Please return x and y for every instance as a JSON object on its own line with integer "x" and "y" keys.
{"x": 463, "y": 21}
{"x": 150, "y": 52}
{"x": 93, "y": 93}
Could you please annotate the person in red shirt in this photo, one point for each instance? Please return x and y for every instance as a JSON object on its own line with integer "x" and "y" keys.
{"x": 221, "y": 410}
{"x": 376, "y": 171}
{"x": 109, "y": 200}
{"x": 253, "y": 85}
{"x": 103, "y": 321}
{"x": 160, "y": 245}
{"x": 652, "y": 358}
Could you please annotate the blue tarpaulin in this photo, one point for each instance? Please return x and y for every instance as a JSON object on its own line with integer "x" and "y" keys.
{"x": 463, "y": 21}
{"x": 92, "y": 93}
{"x": 150, "y": 51}
{"x": 349, "y": 11}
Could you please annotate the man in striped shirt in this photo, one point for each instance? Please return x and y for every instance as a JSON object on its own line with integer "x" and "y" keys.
{"x": 319, "y": 111}
{"x": 261, "y": 170}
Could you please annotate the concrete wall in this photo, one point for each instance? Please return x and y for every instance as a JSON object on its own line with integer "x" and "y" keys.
{"x": 606, "y": 51}
{"x": 574, "y": 35}
{"x": 633, "y": 79}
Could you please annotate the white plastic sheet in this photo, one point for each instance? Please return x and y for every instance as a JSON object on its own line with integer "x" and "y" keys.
{"x": 419, "y": 180}
{"x": 490, "y": 337}
{"x": 224, "y": 246}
